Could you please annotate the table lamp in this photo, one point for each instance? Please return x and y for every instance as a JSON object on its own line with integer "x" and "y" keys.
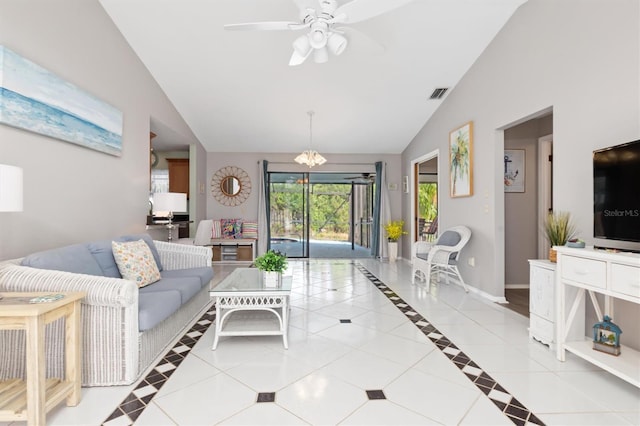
{"x": 168, "y": 203}
{"x": 10, "y": 188}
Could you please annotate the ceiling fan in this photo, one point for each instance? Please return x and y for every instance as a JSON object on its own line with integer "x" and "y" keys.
{"x": 363, "y": 178}
{"x": 320, "y": 18}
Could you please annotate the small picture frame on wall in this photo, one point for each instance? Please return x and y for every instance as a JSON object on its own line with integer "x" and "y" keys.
{"x": 514, "y": 176}
{"x": 405, "y": 184}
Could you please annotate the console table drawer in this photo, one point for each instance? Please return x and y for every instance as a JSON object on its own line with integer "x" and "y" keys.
{"x": 625, "y": 279}
{"x": 585, "y": 271}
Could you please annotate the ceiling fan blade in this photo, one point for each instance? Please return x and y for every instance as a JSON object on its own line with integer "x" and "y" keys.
{"x": 297, "y": 59}
{"x": 361, "y": 10}
{"x": 263, "y": 26}
{"x": 362, "y": 40}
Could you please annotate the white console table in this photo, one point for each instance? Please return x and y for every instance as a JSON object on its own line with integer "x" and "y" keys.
{"x": 614, "y": 275}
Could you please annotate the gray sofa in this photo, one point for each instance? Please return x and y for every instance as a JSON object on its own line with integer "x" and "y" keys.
{"x": 124, "y": 328}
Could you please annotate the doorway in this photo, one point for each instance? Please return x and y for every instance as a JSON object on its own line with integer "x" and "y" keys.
{"x": 527, "y": 197}
{"x": 321, "y": 215}
{"x": 425, "y": 198}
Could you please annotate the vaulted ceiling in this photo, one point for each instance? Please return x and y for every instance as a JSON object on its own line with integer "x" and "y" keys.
{"x": 237, "y": 92}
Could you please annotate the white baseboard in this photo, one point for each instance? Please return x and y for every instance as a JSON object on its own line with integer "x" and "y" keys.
{"x": 495, "y": 299}
{"x": 516, "y": 286}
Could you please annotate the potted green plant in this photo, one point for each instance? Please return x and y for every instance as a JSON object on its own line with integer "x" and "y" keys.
{"x": 394, "y": 230}
{"x": 559, "y": 229}
{"x": 272, "y": 264}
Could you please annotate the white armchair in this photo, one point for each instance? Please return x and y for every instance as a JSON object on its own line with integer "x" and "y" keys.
{"x": 440, "y": 257}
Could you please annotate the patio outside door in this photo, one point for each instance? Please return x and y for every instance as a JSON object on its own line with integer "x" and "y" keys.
{"x": 289, "y": 195}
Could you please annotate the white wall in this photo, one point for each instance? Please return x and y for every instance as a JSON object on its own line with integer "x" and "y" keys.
{"x": 281, "y": 162}
{"x": 71, "y": 193}
{"x": 580, "y": 57}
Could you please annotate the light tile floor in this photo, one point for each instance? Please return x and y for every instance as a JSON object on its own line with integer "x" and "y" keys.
{"x": 392, "y": 344}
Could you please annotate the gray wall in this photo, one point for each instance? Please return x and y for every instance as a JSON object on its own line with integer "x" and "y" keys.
{"x": 71, "y": 193}
{"x": 579, "y": 58}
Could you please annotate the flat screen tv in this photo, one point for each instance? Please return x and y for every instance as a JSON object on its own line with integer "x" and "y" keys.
{"x": 616, "y": 196}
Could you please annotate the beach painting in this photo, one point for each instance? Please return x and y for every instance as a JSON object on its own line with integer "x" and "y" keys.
{"x": 39, "y": 101}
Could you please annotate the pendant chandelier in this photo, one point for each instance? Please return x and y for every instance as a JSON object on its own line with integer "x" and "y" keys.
{"x": 310, "y": 157}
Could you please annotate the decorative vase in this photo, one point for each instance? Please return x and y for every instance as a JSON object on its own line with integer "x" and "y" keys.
{"x": 271, "y": 279}
{"x": 393, "y": 251}
{"x": 553, "y": 255}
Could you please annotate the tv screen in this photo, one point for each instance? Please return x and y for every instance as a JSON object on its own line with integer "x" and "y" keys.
{"x": 616, "y": 192}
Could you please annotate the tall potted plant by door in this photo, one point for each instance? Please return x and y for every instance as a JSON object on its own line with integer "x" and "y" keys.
{"x": 272, "y": 264}
{"x": 559, "y": 229}
{"x": 394, "y": 230}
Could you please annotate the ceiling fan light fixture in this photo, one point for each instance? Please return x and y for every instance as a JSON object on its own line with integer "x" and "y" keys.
{"x": 320, "y": 56}
{"x": 337, "y": 43}
{"x": 310, "y": 157}
{"x": 318, "y": 35}
{"x": 302, "y": 46}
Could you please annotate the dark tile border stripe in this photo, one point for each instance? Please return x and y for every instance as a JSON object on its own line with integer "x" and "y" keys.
{"x": 511, "y": 407}
{"x": 132, "y": 406}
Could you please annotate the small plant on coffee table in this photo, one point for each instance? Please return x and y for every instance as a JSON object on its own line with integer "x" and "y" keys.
{"x": 271, "y": 261}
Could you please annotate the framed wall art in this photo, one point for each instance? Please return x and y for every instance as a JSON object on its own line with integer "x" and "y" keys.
{"x": 461, "y": 161}
{"x": 34, "y": 99}
{"x": 514, "y": 170}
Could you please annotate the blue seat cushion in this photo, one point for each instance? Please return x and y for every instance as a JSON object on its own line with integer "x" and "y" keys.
{"x": 204, "y": 273}
{"x": 154, "y": 307}
{"x": 186, "y": 286}
{"x": 449, "y": 238}
{"x": 75, "y": 258}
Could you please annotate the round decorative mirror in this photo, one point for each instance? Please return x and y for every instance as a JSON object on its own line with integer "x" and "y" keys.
{"x": 231, "y": 186}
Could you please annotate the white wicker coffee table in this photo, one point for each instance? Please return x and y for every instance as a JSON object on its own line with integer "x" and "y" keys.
{"x": 245, "y": 307}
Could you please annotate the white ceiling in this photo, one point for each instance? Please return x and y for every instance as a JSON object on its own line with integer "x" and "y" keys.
{"x": 238, "y": 94}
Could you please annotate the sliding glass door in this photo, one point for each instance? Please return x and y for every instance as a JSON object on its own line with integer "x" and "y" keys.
{"x": 289, "y": 193}
{"x": 321, "y": 215}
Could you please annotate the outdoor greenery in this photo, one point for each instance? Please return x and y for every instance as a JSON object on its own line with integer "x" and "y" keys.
{"x": 394, "y": 230}
{"x": 559, "y": 228}
{"x": 271, "y": 261}
{"x": 329, "y": 212}
{"x": 428, "y": 201}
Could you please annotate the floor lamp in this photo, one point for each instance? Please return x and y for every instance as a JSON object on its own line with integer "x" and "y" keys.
{"x": 10, "y": 188}
{"x": 168, "y": 203}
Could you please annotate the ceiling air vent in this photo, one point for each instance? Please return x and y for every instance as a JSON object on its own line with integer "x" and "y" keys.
{"x": 438, "y": 93}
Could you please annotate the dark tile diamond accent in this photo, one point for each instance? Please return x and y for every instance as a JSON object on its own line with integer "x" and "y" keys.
{"x": 376, "y": 394}
{"x": 116, "y": 413}
{"x": 533, "y": 419}
{"x": 131, "y": 406}
{"x": 135, "y": 414}
{"x": 518, "y": 414}
{"x": 345, "y": 321}
{"x": 266, "y": 397}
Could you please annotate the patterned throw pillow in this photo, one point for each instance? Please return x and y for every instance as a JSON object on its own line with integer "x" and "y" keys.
{"x": 135, "y": 262}
{"x": 216, "y": 230}
{"x": 250, "y": 230}
{"x": 231, "y": 228}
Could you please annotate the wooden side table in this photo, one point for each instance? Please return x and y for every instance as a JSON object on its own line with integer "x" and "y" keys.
{"x": 30, "y": 399}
